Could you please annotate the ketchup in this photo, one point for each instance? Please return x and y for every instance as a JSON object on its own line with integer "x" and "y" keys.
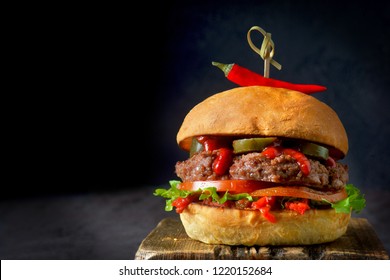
{"x": 211, "y": 143}
{"x": 225, "y": 156}
{"x": 304, "y": 164}
{"x": 224, "y": 159}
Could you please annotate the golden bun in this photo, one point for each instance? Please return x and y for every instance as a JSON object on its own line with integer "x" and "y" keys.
{"x": 265, "y": 111}
{"x": 229, "y": 226}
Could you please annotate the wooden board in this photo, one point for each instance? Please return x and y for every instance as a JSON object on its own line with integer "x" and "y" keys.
{"x": 169, "y": 241}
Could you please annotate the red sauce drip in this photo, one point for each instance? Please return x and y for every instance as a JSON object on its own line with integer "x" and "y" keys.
{"x": 211, "y": 143}
{"x": 331, "y": 162}
{"x": 304, "y": 164}
{"x": 224, "y": 159}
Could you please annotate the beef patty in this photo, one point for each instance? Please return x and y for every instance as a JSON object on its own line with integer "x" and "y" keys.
{"x": 282, "y": 169}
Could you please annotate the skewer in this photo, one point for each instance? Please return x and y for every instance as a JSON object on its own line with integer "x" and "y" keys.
{"x": 266, "y": 51}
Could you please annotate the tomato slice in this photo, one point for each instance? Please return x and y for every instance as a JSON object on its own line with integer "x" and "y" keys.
{"x": 302, "y": 192}
{"x": 233, "y": 186}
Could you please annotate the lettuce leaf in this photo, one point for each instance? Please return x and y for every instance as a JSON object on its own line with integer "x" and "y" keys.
{"x": 173, "y": 193}
{"x": 354, "y": 202}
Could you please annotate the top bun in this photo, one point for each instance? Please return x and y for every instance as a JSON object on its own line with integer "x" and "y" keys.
{"x": 265, "y": 111}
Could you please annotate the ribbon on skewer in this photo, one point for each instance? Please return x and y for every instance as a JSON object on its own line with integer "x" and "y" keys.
{"x": 266, "y": 51}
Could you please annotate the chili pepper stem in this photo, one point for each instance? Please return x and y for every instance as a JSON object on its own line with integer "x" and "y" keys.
{"x": 224, "y": 67}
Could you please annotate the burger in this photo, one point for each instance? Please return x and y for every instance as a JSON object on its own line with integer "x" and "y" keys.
{"x": 263, "y": 169}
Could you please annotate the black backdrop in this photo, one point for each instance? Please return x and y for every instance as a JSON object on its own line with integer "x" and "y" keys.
{"x": 122, "y": 80}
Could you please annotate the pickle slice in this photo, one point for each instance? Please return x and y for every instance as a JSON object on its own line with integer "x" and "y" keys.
{"x": 314, "y": 150}
{"x": 251, "y": 144}
{"x": 195, "y": 146}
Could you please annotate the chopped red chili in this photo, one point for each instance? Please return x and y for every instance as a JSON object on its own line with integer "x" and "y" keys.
{"x": 181, "y": 203}
{"x": 298, "y": 206}
{"x": 304, "y": 164}
{"x": 245, "y": 77}
{"x": 264, "y": 205}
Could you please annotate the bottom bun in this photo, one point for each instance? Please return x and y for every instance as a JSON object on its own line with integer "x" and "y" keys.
{"x": 216, "y": 225}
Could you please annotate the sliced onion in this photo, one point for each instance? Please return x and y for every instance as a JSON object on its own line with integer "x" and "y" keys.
{"x": 302, "y": 192}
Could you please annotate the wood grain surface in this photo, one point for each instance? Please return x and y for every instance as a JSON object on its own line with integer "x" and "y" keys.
{"x": 169, "y": 241}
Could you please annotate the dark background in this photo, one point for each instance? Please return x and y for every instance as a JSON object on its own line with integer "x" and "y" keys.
{"x": 119, "y": 86}
{"x": 112, "y": 89}
{"x": 98, "y": 92}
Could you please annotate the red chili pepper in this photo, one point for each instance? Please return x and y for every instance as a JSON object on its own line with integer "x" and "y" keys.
{"x": 298, "y": 206}
{"x": 264, "y": 201}
{"x": 264, "y": 205}
{"x": 266, "y": 214}
{"x": 181, "y": 203}
{"x": 245, "y": 77}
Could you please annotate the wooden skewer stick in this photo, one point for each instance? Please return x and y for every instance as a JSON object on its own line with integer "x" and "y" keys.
{"x": 266, "y": 51}
{"x": 267, "y": 59}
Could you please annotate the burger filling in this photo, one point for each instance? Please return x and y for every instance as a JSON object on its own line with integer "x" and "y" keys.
{"x": 255, "y": 166}
{"x": 261, "y": 174}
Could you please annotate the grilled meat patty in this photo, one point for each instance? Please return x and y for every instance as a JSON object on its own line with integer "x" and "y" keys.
{"x": 282, "y": 169}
